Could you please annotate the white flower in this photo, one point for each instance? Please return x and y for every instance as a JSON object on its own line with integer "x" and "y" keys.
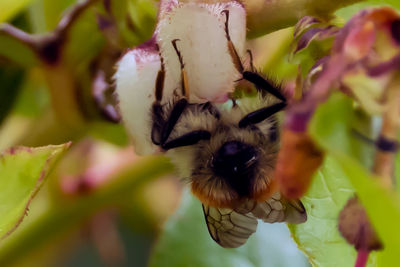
{"x": 200, "y": 27}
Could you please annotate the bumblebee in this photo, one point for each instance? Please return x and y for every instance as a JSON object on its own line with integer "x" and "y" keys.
{"x": 227, "y": 154}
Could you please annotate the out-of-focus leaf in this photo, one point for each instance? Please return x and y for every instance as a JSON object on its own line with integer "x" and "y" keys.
{"x": 34, "y": 97}
{"x": 273, "y": 59}
{"x": 61, "y": 218}
{"x": 44, "y": 15}
{"x": 367, "y": 90}
{"x": 329, "y": 127}
{"x": 393, "y": 3}
{"x": 397, "y": 172}
{"x": 22, "y": 172}
{"x": 53, "y": 11}
{"x": 341, "y": 124}
{"x": 143, "y": 16}
{"x": 135, "y": 19}
{"x": 85, "y": 41}
{"x": 382, "y": 206}
{"x": 10, "y": 8}
{"x": 316, "y": 48}
{"x": 186, "y": 242}
{"x": 111, "y": 132}
{"x": 319, "y": 237}
{"x": 16, "y": 51}
{"x": 10, "y": 80}
{"x": 347, "y": 12}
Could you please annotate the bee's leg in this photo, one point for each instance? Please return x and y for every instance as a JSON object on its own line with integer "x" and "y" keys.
{"x": 263, "y": 84}
{"x": 180, "y": 105}
{"x": 261, "y": 114}
{"x": 162, "y": 128}
{"x": 231, "y": 47}
{"x": 187, "y": 139}
{"x": 157, "y": 110}
{"x": 173, "y": 118}
{"x": 251, "y": 76}
{"x": 184, "y": 81}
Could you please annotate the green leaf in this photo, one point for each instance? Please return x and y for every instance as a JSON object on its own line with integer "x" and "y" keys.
{"x": 110, "y": 132}
{"x": 393, "y": 3}
{"x": 53, "y": 11}
{"x": 347, "y": 12}
{"x": 81, "y": 50}
{"x": 17, "y": 51}
{"x": 34, "y": 96}
{"x": 319, "y": 237}
{"x": 186, "y": 242}
{"x": 330, "y": 128}
{"x": 397, "y": 171}
{"x": 336, "y": 122}
{"x": 143, "y": 15}
{"x": 10, "y": 8}
{"x": 135, "y": 19}
{"x": 23, "y": 171}
{"x": 382, "y": 206}
{"x": 10, "y": 80}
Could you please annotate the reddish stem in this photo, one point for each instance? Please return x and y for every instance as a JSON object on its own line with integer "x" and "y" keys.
{"x": 362, "y": 258}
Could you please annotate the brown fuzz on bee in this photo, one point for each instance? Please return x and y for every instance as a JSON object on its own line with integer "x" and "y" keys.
{"x": 228, "y": 154}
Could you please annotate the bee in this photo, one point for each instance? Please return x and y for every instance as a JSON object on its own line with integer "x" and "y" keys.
{"x": 227, "y": 153}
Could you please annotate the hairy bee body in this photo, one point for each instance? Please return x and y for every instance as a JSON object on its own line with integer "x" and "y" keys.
{"x": 232, "y": 200}
{"x": 226, "y": 152}
{"x": 195, "y": 162}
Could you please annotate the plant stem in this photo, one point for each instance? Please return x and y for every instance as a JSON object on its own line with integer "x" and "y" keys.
{"x": 59, "y": 220}
{"x": 362, "y": 258}
{"x": 384, "y": 164}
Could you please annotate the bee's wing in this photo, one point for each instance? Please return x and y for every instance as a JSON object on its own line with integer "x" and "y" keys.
{"x": 278, "y": 209}
{"x": 229, "y": 228}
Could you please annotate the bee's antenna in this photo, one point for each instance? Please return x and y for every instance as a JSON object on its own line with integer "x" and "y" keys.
{"x": 231, "y": 48}
{"x": 185, "y": 85}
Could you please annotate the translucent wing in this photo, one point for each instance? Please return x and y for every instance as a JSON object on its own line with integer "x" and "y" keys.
{"x": 229, "y": 228}
{"x": 278, "y": 209}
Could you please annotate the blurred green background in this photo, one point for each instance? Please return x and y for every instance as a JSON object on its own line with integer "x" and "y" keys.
{"x": 101, "y": 205}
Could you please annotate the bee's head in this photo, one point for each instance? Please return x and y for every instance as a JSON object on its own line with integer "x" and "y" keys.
{"x": 235, "y": 162}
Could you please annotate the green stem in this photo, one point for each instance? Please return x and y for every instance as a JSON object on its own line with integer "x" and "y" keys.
{"x": 267, "y": 16}
{"x": 59, "y": 220}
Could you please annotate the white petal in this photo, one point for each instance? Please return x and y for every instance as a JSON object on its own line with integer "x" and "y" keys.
{"x": 135, "y": 79}
{"x": 203, "y": 45}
